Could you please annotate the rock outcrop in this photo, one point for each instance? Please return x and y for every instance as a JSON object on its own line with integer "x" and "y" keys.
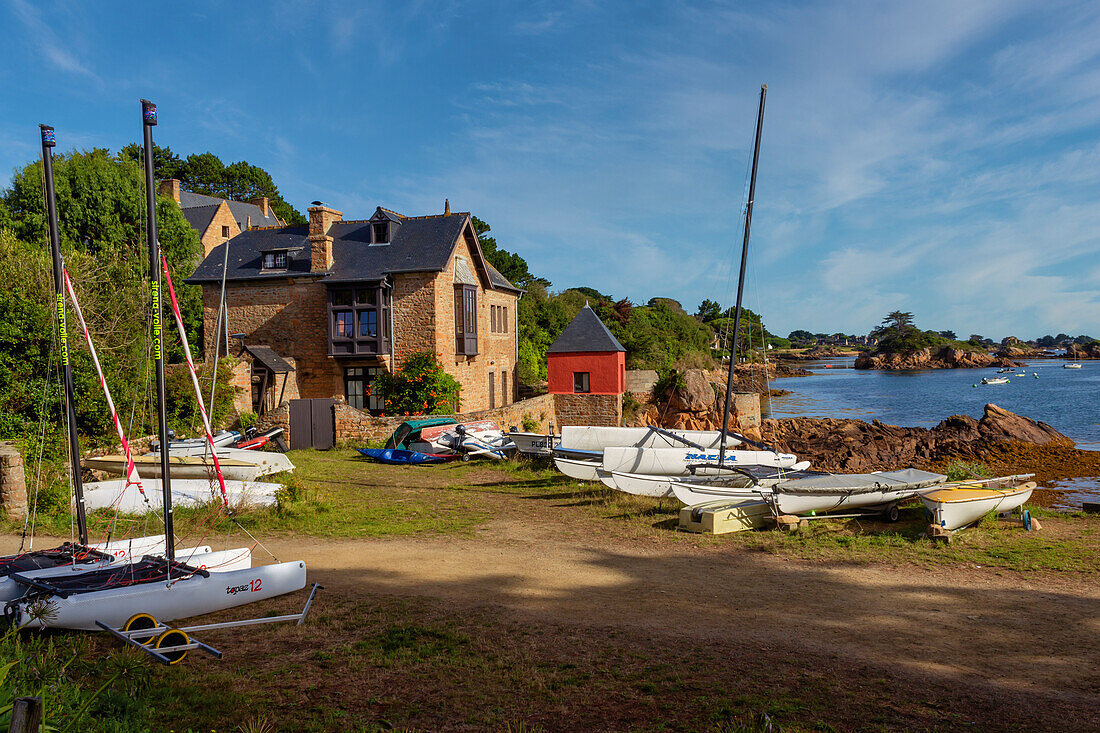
{"x": 695, "y": 402}
{"x": 942, "y": 357}
{"x": 855, "y": 446}
{"x": 1083, "y": 351}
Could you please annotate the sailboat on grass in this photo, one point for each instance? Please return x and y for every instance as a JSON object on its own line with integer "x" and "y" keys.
{"x": 79, "y": 556}
{"x": 153, "y": 588}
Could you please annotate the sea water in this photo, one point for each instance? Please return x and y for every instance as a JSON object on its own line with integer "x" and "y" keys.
{"x": 1067, "y": 399}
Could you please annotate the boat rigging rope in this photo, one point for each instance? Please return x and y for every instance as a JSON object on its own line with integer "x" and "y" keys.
{"x": 32, "y": 510}
{"x": 194, "y": 380}
{"x": 132, "y": 477}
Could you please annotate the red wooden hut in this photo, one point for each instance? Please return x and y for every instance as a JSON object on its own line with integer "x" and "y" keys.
{"x": 586, "y": 358}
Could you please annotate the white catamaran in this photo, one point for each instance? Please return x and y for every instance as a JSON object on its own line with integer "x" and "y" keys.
{"x": 165, "y": 588}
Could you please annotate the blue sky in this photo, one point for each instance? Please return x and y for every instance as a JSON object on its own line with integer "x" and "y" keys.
{"x": 941, "y": 158}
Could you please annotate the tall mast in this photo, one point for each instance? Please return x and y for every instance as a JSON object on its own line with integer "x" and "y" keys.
{"x": 741, "y": 278}
{"x": 149, "y": 120}
{"x": 66, "y": 367}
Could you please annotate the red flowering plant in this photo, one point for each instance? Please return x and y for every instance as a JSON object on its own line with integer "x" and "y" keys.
{"x": 420, "y": 387}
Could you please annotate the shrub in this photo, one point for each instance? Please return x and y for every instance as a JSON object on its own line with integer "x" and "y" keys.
{"x": 420, "y": 387}
{"x": 530, "y": 424}
{"x": 964, "y": 470}
{"x": 246, "y": 420}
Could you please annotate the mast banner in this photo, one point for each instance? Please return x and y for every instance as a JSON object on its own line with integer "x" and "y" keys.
{"x": 194, "y": 379}
{"x": 132, "y": 477}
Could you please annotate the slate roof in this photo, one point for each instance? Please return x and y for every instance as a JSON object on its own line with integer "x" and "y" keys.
{"x": 242, "y": 211}
{"x": 586, "y": 332}
{"x": 199, "y": 217}
{"x": 420, "y": 244}
{"x": 270, "y": 359}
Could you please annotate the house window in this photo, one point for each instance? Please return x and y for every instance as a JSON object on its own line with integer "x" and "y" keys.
{"x": 359, "y": 390}
{"x": 505, "y": 396}
{"x": 368, "y": 324}
{"x": 360, "y": 320}
{"x": 504, "y": 319}
{"x": 381, "y": 232}
{"x": 343, "y": 328}
{"x": 580, "y": 382}
{"x": 225, "y": 232}
{"x": 275, "y": 260}
{"x": 492, "y": 390}
{"x": 466, "y": 320}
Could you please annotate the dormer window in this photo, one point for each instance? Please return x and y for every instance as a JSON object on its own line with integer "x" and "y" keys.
{"x": 381, "y": 233}
{"x": 274, "y": 261}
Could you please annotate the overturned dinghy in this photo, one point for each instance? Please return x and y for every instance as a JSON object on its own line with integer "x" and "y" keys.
{"x": 185, "y": 492}
{"x": 717, "y": 484}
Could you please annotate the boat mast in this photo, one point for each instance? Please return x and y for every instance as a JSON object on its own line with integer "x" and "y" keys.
{"x": 66, "y": 367}
{"x": 741, "y": 278}
{"x": 149, "y": 120}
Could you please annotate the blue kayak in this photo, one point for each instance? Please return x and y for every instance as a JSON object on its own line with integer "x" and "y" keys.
{"x": 402, "y": 457}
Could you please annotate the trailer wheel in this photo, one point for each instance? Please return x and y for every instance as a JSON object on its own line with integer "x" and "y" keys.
{"x": 141, "y": 622}
{"x": 890, "y": 514}
{"x": 1026, "y": 520}
{"x": 173, "y": 637}
{"x": 465, "y": 457}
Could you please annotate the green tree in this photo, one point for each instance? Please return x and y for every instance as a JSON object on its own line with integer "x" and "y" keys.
{"x": 101, "y": 219}
{"x": 708, "y": 310}
{"x": 509, "y": 264}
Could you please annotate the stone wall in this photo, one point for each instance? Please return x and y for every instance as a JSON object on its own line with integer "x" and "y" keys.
{"x": 13, "y": 483}
{"x": 589, "y": 409}
{"x": 640, "y": 381}
{"x": 213, "y": 236}
{"x": 355, "y": 426}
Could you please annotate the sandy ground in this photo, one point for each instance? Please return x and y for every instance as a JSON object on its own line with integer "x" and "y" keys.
{"x": 1015, "y": 631}
{"x": 997, "y": 634}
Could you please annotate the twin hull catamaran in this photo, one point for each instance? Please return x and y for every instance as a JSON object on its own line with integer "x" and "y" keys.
{"x": 160, "y": 586}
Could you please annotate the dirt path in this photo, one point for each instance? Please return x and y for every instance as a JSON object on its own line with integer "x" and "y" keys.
{"x": 1014, "y": 631}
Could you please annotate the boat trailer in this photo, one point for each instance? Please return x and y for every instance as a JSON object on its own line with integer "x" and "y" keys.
{"x": 169, "y": 645}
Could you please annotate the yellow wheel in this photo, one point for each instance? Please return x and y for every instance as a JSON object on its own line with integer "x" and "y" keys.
{"x": 141, "y": 622}
{"x": 173, "y": 637}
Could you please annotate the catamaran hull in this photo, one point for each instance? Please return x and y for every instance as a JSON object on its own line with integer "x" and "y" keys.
{"x": 185, "y": 492}
{"x": 675, "y": 461}
{"x": 192, "y": 596}
{"x": 587, "y": 437}
{"x": 10, "y": 589}
{"x": 580, "y": 470}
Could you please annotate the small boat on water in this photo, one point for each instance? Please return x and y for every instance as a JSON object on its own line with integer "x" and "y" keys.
{"x": 994, "y": 380}
{"x": 960, "y": 504}
{"x": 1072, "y": 365}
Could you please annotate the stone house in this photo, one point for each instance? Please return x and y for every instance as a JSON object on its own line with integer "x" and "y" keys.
{"x": 215, "y": 219}
{"x": 322, "y": 310}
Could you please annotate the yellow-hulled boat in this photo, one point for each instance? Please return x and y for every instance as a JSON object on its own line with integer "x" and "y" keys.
{"x": 957, "y": 505}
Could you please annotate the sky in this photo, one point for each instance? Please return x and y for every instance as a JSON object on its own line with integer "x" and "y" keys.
{"x": 940, "y": 158}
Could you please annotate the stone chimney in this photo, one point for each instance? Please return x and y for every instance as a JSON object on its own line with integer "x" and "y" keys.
{"x": 321, "y": 217}
{"x": 446, "y": 207}
{"x": 263, "y": 204}
{"x": 170, "y": 187}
